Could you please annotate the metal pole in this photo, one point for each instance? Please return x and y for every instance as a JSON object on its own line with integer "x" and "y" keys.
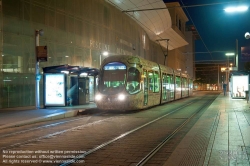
{"x": 236, "y": 56}
{"x": 218, "y": 79}
{"x": 100, "y": 59}
{"x": 37, "y": 72}
{"x": 228, "y": 74}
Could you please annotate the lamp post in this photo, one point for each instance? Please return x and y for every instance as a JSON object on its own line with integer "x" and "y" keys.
{"x": 237, "y": 9}
{"x": 228, "y": 69}
{"x": 37, "y": 71}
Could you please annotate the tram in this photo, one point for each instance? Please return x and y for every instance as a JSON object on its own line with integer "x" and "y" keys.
{"x": 129, "y": 82}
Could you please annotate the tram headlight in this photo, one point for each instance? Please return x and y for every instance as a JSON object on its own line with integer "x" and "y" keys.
{"x": 98, "y": 97}
{"x": 121, "y": 96}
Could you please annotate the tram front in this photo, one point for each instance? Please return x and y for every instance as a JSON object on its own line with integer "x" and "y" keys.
{"x": 118, "y": 86}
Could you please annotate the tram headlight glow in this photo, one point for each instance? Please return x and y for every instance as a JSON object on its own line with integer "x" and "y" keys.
{"x": 121, "y": 96}
{"x": 98, "y": 97}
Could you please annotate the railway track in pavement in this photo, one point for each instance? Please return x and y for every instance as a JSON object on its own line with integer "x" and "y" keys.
{"x": 105, "y": 133}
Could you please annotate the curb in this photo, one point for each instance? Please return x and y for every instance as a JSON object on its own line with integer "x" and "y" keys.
{"x": 43, "y": 119}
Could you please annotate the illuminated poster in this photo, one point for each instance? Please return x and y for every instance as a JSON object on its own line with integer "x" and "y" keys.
{"x": 54, "y": 90}
{"x": 239, "y": 86}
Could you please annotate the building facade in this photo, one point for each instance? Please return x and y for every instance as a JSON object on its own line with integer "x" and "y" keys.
{"x": 76, "y": 32}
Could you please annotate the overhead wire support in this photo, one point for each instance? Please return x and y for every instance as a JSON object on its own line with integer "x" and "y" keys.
{"x": 165, "y": 53}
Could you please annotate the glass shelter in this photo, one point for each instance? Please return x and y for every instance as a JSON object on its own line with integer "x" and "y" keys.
{"x": 66, "y": 85}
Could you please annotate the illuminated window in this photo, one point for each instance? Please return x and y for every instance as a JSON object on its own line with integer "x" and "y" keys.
{"x": 154, "y": 83}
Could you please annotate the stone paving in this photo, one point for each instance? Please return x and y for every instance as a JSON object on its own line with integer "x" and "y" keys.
{"x": 220, "y": 137}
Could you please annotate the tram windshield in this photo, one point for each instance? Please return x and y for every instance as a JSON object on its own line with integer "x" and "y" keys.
{"x": 113, "y": 78}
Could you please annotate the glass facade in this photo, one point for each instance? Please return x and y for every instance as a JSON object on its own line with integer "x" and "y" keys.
{"x": 76, "y": 32}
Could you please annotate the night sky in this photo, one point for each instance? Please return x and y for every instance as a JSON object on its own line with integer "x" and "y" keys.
{"x": 218, "y": 29}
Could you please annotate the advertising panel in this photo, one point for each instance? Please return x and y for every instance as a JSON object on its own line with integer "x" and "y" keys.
{"x": 54, "y": 88}
{"x": 239, "y": 86}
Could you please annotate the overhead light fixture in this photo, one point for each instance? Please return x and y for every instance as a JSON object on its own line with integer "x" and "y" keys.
{"x": 236, "y": 9}
{"x": 229, "y": 54}
{"x": 83, "y": 74}
{"x": 66, "y": 72}
{"x": 105, "y": 53}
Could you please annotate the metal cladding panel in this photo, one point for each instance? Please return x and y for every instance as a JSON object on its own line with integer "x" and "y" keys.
{"x": 157, "y": 23}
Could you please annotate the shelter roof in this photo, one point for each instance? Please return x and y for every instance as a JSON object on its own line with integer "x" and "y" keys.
{"x": 74, "y": 70}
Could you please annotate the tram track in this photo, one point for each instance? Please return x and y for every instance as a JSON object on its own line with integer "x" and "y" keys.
{"x": 53, "y": 134}
{"x": 18, "y": 134}
{"x": 156, "y": 149}
{"x": 91, "y": 146}
{"x": 165, "y": 140}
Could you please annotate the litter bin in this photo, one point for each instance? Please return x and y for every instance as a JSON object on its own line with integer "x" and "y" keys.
{"x": 247, "y": 95}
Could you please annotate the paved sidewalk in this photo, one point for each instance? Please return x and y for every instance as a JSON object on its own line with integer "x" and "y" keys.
{"x": 17, "y": 117}
{"x": 221, "y": 137}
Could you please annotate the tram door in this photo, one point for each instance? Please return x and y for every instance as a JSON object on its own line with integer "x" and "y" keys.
{"x": 83, "y": 90}
{"x": 91, "y": 88}
{"x": 145, "y": 87}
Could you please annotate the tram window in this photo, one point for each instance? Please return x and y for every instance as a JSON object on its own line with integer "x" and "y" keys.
{"x": 166, "y": 82}
{"x": 184, "y": 83}
{"x": 171, "y": 82}
{"x": 151, "y": 81}
{"x": 178, "y": 82}
{"x": 164, "y": 86}
{"x": 156, "y": 82}
{"x": 133, "y": 80}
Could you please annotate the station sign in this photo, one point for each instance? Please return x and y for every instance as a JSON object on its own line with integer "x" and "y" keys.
{"x": 41, "y": 53}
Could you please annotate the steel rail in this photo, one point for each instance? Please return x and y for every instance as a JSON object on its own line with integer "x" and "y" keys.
{"x": 53, "y": 134}
{"x": 82, "y": 156}
{"x": 160, "y": 145}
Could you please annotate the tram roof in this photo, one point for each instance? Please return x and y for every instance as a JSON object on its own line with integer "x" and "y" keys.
{"x": 71, "y": 69}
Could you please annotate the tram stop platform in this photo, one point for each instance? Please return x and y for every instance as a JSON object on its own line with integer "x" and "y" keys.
{"x": 12, "y": 117}
{"x": 221, "y": 136}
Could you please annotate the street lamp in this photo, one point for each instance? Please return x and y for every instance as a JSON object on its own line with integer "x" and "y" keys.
{"x": 105, "y": 53}
{"x": 236, "y": 9}
{"x": 247, "y": 35}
